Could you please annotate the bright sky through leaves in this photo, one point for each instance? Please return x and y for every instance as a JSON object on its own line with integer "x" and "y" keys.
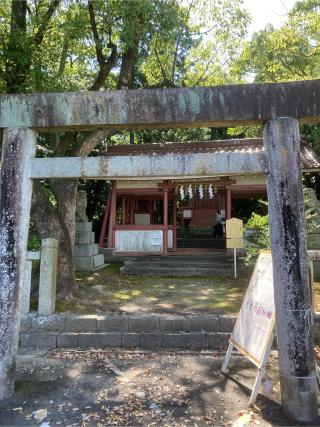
{"x": 265, "y": 12}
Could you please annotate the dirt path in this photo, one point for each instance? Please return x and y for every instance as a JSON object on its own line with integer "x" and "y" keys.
{"x": 98, "y": 388}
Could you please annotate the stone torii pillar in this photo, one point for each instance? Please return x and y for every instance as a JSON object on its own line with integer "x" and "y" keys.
{"x": 18, "y": 150}
{"x": 290, "y": 270}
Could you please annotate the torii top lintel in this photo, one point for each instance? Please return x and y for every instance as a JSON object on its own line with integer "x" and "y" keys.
{"x": 225, "y": 105}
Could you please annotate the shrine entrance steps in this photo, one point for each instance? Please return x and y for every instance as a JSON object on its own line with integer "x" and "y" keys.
{"x": 202, "y": 243}
{"x": 149, "y": 332}
{"x": 219, "y": 264}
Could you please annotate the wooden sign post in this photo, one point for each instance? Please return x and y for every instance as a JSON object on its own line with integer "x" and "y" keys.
{"x": 234, "y": 234}
{"x": 254, "y": 330}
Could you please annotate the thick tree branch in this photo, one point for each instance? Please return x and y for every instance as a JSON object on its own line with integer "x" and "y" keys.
{"x": 38, "y": 38}
{"x": 164, "y": 77}
{"x": 99, "y": 51}
{"x": 127, "y": 64}
{"x": 17, "y": 49}
{"x": 86, "y": 146}
{"x": 105, "y": 63}
{"x": 178, "y": 44}
{"x": 64, "y": 54}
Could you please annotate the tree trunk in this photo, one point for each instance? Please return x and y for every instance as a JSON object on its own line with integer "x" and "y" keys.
{"x": 17, "y": 50}
{"x": 58, "y": 222}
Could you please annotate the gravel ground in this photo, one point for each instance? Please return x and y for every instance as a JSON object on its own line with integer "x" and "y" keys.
{"x": 100, "y": 388}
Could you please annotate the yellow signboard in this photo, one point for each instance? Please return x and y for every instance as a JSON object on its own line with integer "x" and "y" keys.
{"x": 234, "y": 233}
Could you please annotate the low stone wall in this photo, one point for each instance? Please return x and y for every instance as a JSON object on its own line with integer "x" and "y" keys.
{"x": 194, "y": 332}
{"x": 146, "y": 332}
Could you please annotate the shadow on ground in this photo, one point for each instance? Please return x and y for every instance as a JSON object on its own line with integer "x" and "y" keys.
{"x": 97, "y": 388}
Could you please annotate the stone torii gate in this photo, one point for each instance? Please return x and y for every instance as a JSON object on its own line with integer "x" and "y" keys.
{"x": 279, "y": 106}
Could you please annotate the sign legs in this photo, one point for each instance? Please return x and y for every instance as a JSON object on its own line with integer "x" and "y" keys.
{"x": 290, "y": 270}
{"x": 262, "y": 368}
{"x": 18, "y": 149}
{"x": 226, "y": 360}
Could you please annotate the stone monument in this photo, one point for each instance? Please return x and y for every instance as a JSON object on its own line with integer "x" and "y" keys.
{"x": 86, "y": 251}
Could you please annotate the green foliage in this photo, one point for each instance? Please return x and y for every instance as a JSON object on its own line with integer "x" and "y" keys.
{"x": 246, "y": 131}
{"x": 291, "y": 52}
{"x": 201, "y": 46}
{"x": 257, "y": 235}
{"x": 34, "y": 241}
{"x": 257, "y": 227}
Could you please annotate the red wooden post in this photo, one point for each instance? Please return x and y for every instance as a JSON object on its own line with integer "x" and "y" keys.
{"x": 105, "y": 222}
{"x": 228, "y": 204}
{"x": 132, "y": 211}
{"x": 112, "y": 216}
{"x": 174, "y": 223}
{"x": 123, "y": 201}
{"x": 165, "y": 221}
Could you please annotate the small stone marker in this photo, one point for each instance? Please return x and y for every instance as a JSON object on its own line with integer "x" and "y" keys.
{"x": 48, "y": 277}
{"x": 26, "y": 288}
{"x": 234, "y": 235}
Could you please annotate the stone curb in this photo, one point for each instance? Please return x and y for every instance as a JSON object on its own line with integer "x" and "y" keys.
{"x": 194, "y": 332}
{"x": 143, "y": 340}
{"x": 70, "y": 323}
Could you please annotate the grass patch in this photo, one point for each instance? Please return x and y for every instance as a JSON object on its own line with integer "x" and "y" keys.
{"x": 106, "y": 291}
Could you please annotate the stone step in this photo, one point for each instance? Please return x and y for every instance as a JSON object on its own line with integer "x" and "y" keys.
{"x": 127, "y": 323}
{"x": 83, "y": 226}
{"x": 193, "y": 332}
{"x": 186, "y": 258}
{"x": 179, "y": 264}
{"x": 128, "y": 340}
{"x": 175, "y": 271}
{"x": 86, "y": 250}
{"x": 84, "y": 237}
{"x": 89, "y": 263}
{"x": 201, "y": 243}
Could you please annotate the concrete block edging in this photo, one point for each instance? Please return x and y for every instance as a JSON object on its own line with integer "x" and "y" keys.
{"x": 193, "y": 332}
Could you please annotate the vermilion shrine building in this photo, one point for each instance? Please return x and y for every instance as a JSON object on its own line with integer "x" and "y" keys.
{"x": 151, "y": 216}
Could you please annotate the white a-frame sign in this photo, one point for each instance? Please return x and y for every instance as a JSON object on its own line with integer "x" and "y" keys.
{"x": 254, "y": 330}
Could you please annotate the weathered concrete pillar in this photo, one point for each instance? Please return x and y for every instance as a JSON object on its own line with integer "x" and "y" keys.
{"x": 290, "y": 270}
{"x": 18, "y": 149}
{"x": 26, "y": 287}
{"x": 48, "y": 277}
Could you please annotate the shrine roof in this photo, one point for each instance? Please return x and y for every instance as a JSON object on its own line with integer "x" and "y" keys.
{"x": 309, "y": 160}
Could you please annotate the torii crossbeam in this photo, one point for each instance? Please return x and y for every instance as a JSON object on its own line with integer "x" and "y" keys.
{"x": 279, "y": 106}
